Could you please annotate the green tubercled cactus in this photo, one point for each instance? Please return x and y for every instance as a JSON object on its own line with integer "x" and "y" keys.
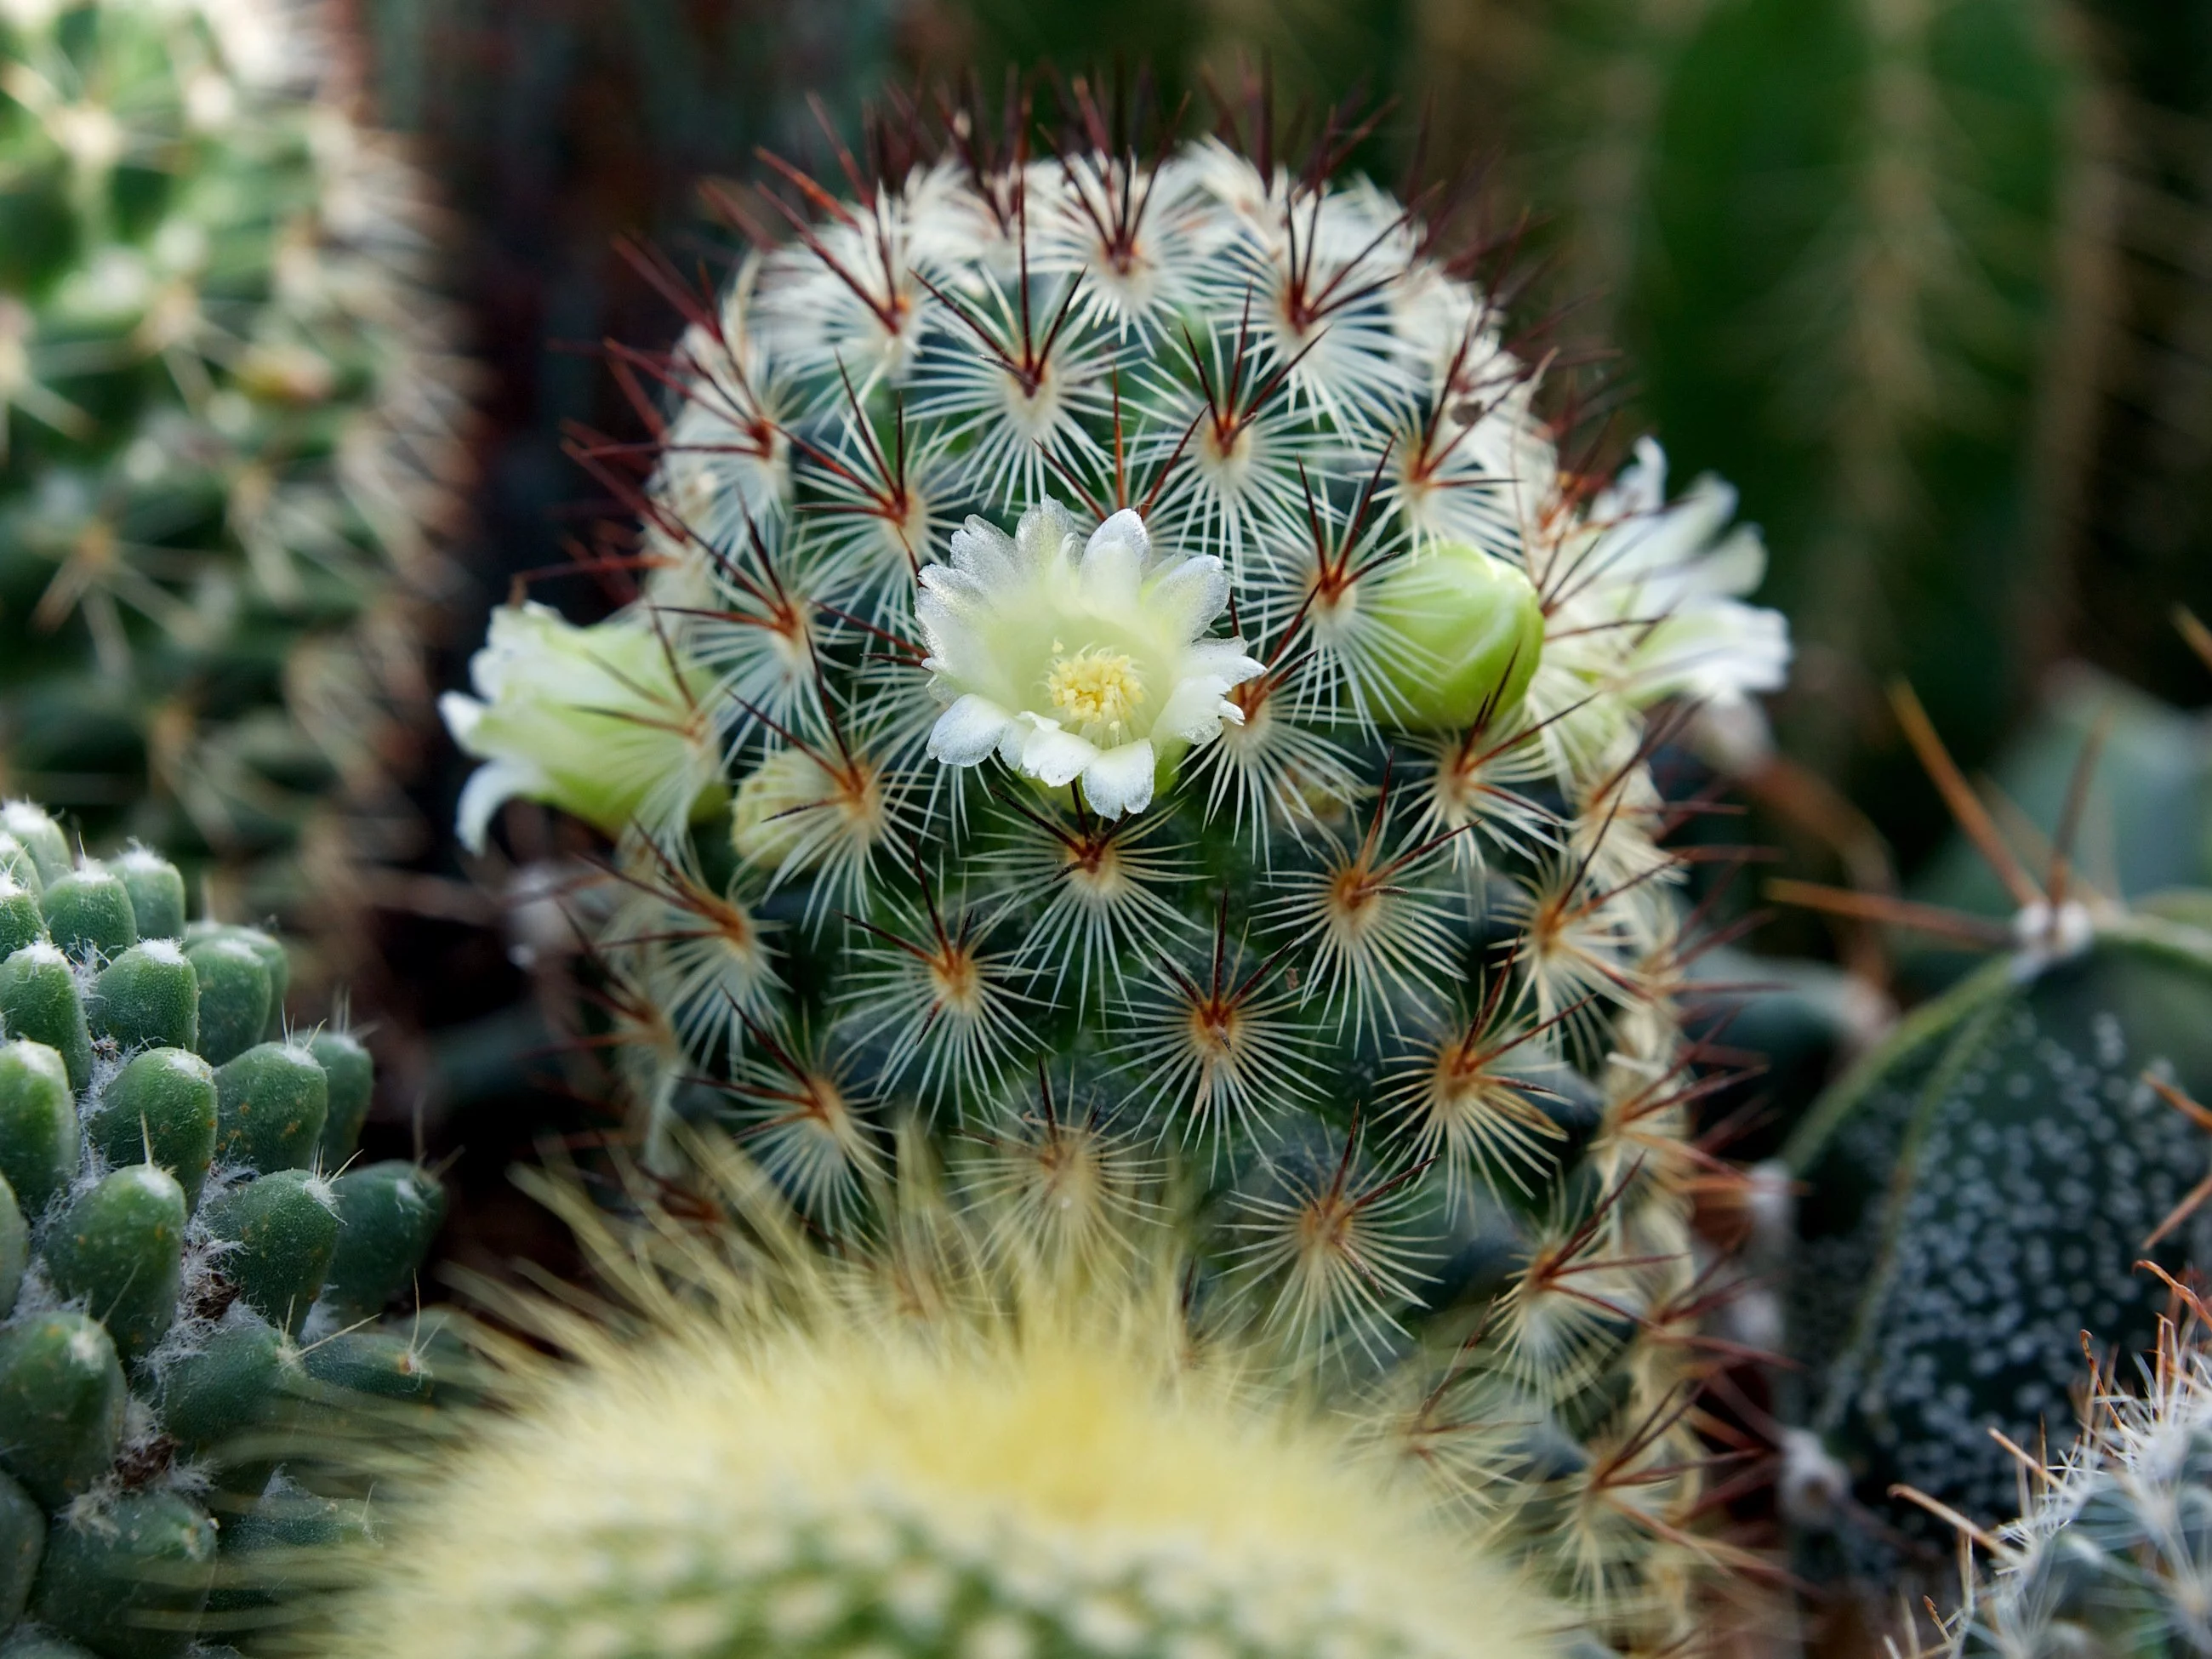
{"x": 165, "y": 1233}
{"x": 271, "y": 1101}
{"x": 1166, "y": 697}
{"x": 131, "y": 1584}
{"x": 148, "y": 995}
{"x": 38, "y": 1150}
{"x": 387, "y": 1214}
{"x": 119, "y": 1247}
{"x": 1031, "y": 1464}
{"x": 238, "y": 994}
{"x": 230, "y": 442}
{"x": 63, "y": 1389}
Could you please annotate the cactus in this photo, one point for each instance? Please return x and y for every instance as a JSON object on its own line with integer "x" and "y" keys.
{"x": 192, "y": 1272}
{"x": 931, "y": 1449}
{"x": 2108, "y": 1556}
{"x": 230, "y": 444}
{"x": 1279, "y": 805}
{"x": 1981, "y": 1190}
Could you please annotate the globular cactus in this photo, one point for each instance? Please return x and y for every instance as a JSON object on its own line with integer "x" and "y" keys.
{"x": 192, "y": 1270}
{"x": 231, "y": 442}
{"x": 2112, "y": 1555}
{"x": 931, "y": 1450}
{"x": 1279, "y": 805}
{"x": 1979, "y": 1192}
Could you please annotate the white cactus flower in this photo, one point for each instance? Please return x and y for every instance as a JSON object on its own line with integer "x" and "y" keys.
{"x": 1087, "y": 667}
{"x": 1668, "y": 580}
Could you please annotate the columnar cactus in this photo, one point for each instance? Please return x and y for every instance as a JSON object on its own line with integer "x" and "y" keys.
{"x": 1126, "y": 673}
{"x": 804, "y": 1458}
{"x": 1857, "y": 250}
{"x": 1982, "y": 1189}
{"x": 191, "y": 1269}
{"x": 230, "y": 439}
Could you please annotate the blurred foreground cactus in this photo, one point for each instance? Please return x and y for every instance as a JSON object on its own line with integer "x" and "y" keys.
{"x": 944, "y": 1448}
{"x": 1985, "y": 1188}
{"x": 230, "y": 443}
{"x": 192, "y": 1270}
{"x": 1127, "y": 675}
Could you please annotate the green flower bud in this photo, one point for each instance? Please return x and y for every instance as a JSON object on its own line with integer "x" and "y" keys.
{"x": 147, "y": 997}
{"x": 1475, "y": 626}
{"x": 22, "y": 1543}
{"x": 160, "y": 1109}
{"x": 38, "y": 1125}
{"x": 120, "y": 1245}
{"x": 39, "y": 999}
{"x": 282, "y": 1229}
{"x": 130, "y": 1583}
{"x": 351, "y": 1075}
{"x": 61, "y": 1395}
{"x": 40, "y": 837}
{"x": 602, "y": 722}
{"x": 22, "y": 922}
{"x": 157, "y": 892}
{"x": 236, "y": 995}
{"x": 89, "y": 909}
{"x": 271, "y": 1101}
{"x": 388, "y": 1214}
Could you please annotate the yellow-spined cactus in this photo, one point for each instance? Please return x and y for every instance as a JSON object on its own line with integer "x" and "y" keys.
{"x": 928, "y": 1449}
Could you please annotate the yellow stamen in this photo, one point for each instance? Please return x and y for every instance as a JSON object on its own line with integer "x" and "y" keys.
{"x": 1095, "y": 687}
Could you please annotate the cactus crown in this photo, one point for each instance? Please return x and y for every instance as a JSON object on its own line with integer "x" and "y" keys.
{"x": 191, "y": 1267}
{"x": 229, "y": 425}
{"x": 1125, "y": 674}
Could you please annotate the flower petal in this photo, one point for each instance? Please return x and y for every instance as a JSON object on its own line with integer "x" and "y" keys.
{"x": 966, "y": 734}
{"x": 490, "y": 787}
{"x": 462, "y": 714}
{"x": 1053, "y": 757}
{"x": 1114, "y": 564}
{"x": 982, "y": 550}
{"x": 1193, "y": 711}
{"x": 1044, "y": 535}
{"x": 1189, "y": 597}
{"x": 1121, "y": 780}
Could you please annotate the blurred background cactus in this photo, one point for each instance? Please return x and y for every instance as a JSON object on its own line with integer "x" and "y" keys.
{"x": 194, "y": 1271}
{"x": 232, "y": 446}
